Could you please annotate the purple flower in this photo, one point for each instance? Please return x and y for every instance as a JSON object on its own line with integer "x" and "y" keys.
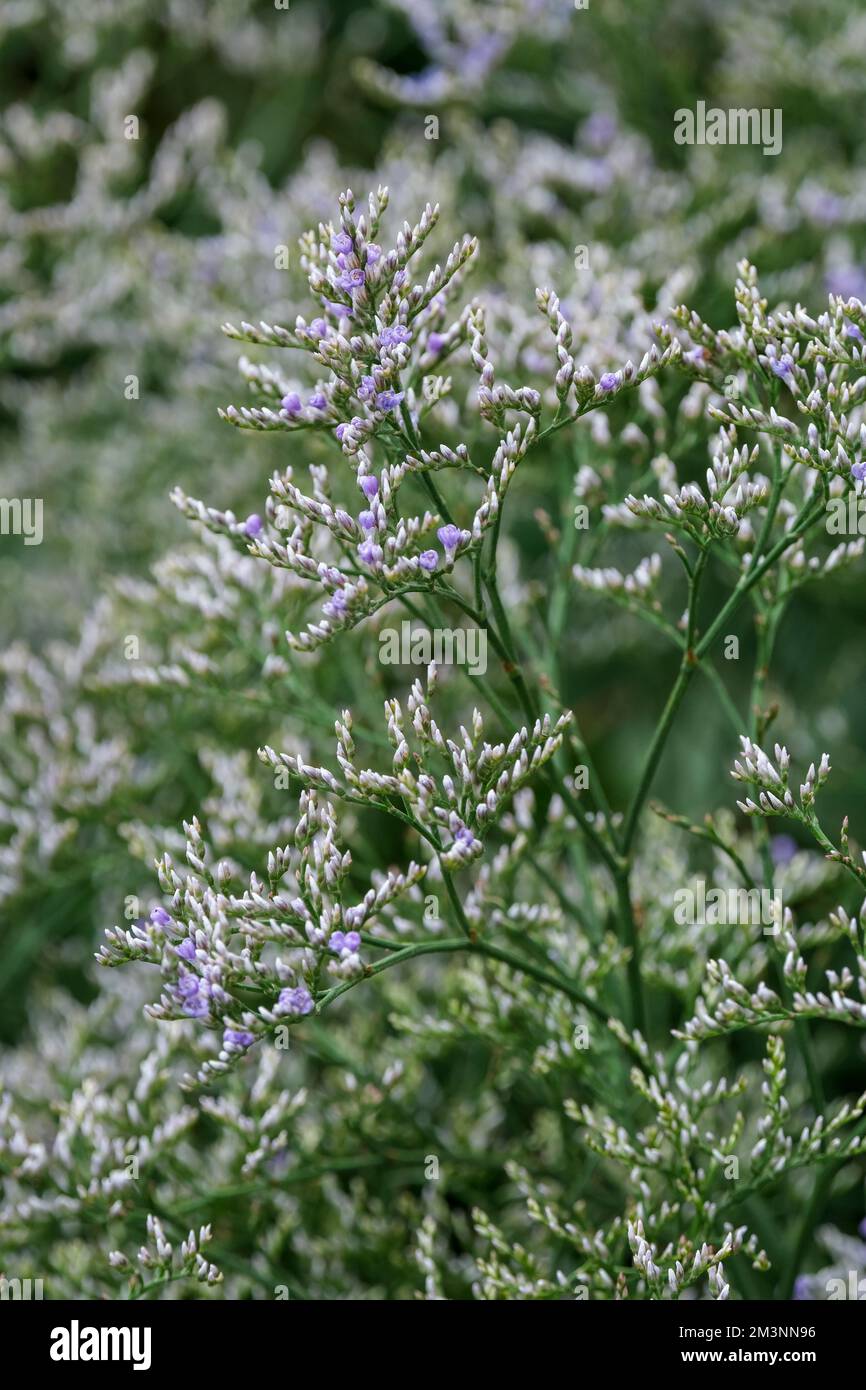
{"x": 398, "y": 333}
{"x": 450, "y": 536}
{"x": 369, "y": 485}
{"x": 858, "y": 471}
{"x": 852, "y": 331}
{"x": 238, "y": 1037}
{"x": 296, "y": 1001}
{"x": 342, "y": 244}
{"x": 374, "y": 253}
{"x": 340, "y": 431}
{"x": 388, "y": 400}
{"x": 253, "y": 525}
{"x": 336, "y": 606}
{"x": 802, "y": 1288}
{"x": 370, "y": 552}
{"x": 292, "y": 403}
{"x": 319, "y": 328}
{"x": 352, "y": 279}
{"x": 195, "y": 1007}
{"x": 609, "y": 381}
{"x": 696, "y": 356}
{"x": 366, "y": 388}
{"x": 160, "y": 917}
{"x": 344, "y": 941}
{"x": 338, "y": 310}
{"x": 783, "y": 367}
{"x": 367, "y": 520}
{"x": 186, "y": 949}
{"x": 435, "y": 343}
{"x": 188, "y": 985}
{"x": 428, "y": 560}
{"x": 319, "y": 401}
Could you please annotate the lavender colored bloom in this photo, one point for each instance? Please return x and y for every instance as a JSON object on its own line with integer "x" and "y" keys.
{"x": 397, "y": 333}
{"x": 319, "y": 401}
{"x": 367, "y": 520}
{"x": 335, "y": 606}
{"x": 858, "y": 471}
{"x": 352, "y": 279}
{"x": 337, "y": 942}
{"x": 370, "y": 552}
{"x": 253, "y": 525}
{"x": 388, "y": 400}
{"x": 353, "y": 941}
{"x": 435, "y": 343}
{"x": 188, "y": 985}
{"x": 366, "y": 388}
{"x": 852, "y": 331}
{"x": 342, "y": 244}
{"x": 160, "y": 917}
{"x": 186, "y": 949}
{"x": 696, "y": 356}
{"x": 450, "y": 536}
{"x": 292, "y": 403}
{"x": 319, "y": 327}
{"x": 609, "y": 381}
{"x": 195, "y": 1007}
{"x": 338, "y": 310}
{"x": 297, "y": 1001}
{"x": 369, "y": 485}
{"x": 340, "y": 431}
{"x": 238, "y": 1037}
{"x": 374, "y": 253}
{"x": 428, "y": 560}
{"x": 783, "y": 367}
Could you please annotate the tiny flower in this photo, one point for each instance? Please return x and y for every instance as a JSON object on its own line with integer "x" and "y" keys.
{"x": 319, "y": 401}
{"x": 369, "y": 485}
{"x": 388, "y": 400}
{"x": 450, "y": 536}
{"x": 237, "y": 1037}
{"x": 367, "y": 520}
{"x": 783, "y": 848}
{"x": 336, "y": 606}
{"x": 342, "y": 244}
{"x": 783, "y": 367}
{"x": 253, "y": 525}
{"x": 398, "y": 333}
{"x": 188, "y": 986}
{"x": 852, "y": 331}
{"x": 696, "y": 357}
{"x": 186, "y": 949}
{"x": 297, "y": 1001}
{"x": 353, "y": 941}
{"x": 435, "y": 343}
{"x": 374, "y": 253}
{"x": 609, "y": 381}
{"x": 338, "y": 310}
{"x": 428, "y": 560}
{"x": 319, "y": 328}
{"x": 337, "y": 942}
{"x": 366, "y": 388}
{"x": 292, "y": 403}
{"x": 160, "y": 917}
{"x": 370, "y": 552}
{"x": 858, "y": 471}
{"x": 351, "y": 279}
